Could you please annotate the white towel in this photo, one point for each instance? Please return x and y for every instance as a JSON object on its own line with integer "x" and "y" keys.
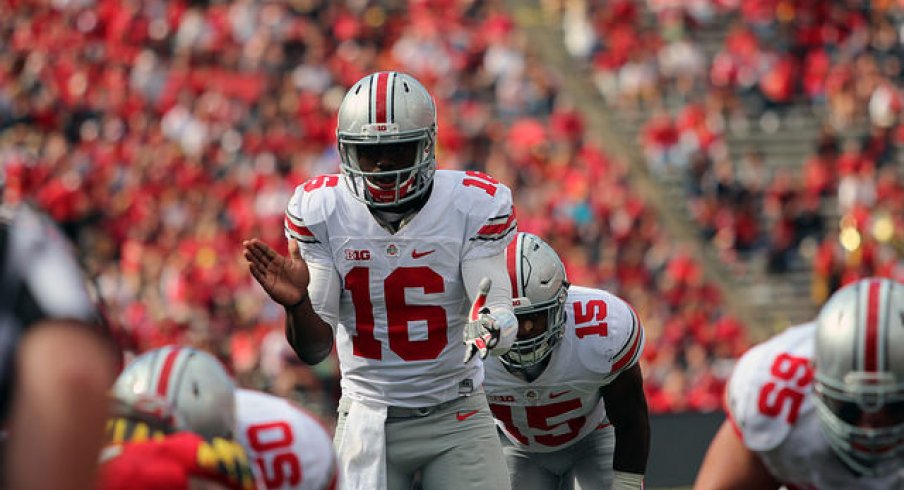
{"x": 362, "y": 450}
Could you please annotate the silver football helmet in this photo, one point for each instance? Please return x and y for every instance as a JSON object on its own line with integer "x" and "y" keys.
{"x": 539, "y": 286}
{"x": 860, "y": 374}
{"x": 387, "y": 108}
{"x": 191, "y": 383}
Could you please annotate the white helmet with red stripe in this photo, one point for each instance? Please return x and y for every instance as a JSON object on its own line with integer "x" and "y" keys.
{"x": 860, "y": 374}
{"x": 388, "y": 108}
{"x": 539, "y": 287}
{"x": 192, "y": 383}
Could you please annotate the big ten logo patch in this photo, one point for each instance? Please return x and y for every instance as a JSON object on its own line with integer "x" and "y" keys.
{"x": 501, "y": 398}
{"x": 357, "y": 254}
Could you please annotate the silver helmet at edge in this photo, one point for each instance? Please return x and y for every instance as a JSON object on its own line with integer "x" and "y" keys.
{"x": 859, "y": 373}
{"x": 192, "y": 383}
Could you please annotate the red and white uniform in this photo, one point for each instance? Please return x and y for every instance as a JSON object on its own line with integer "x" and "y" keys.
{"x": 288, "y": 447}
{"x": 400, "y": 313}
{"x": 770, "y": 403}
{"x": 602, "y": 338}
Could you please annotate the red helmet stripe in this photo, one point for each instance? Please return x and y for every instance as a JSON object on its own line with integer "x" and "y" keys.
{"x": 872, "y": 327}
{"x": 512, "y": 260}
{"x": 380, "y": 97}
{"x": 166, "y": 371}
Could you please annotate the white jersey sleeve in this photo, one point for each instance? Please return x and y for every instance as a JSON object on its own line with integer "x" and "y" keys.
{"x": 306, "y": 216}
{"x": 288, "y": 447}
{"x": 605, "y": 315}
{"x": 770, "y": 388}
{"x": 491, "y": 215}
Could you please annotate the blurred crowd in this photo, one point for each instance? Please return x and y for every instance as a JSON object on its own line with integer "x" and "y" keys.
{"x": 701, "y": 69}
{"x": 161, "y": 134}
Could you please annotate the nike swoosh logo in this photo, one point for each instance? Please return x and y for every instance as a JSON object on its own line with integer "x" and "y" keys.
{"x": 416, "y": 255}
{"x": 556, "y": 395}
{"x": 464, "y": 416}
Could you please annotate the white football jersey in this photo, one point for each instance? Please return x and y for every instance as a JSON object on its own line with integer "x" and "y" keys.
{"x": 403, "y": 306}
{"x": 770, "y": 402}
{"x": 287, "y": 446}
{"x": 602, "y": 338}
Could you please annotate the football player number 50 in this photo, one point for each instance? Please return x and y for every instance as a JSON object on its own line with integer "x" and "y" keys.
{"x": 399, "y": 314}
{"x": 272, "y": 446}
{"x": 790, "y": 376}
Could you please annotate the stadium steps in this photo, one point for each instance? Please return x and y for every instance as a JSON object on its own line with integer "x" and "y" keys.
{"x": 786, "y": 140}
{"x": 767, "y": 302}
{"x": 616, "y": 130}
{"x": 774, "y": 301}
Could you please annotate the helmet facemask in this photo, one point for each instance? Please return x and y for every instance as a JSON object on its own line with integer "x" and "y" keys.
{"x": 529, "y": 352}
{"x": 871, "y": 448}
{"x": 388, "y": 188}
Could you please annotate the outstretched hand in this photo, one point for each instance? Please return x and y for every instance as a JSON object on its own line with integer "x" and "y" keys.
{"x": 480, "y": 334}
{"x": 283, "y": 278}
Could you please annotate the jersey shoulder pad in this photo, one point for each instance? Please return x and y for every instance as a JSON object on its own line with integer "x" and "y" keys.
{"x": 309, "y": 207}
{"x": 486, "y": 202}
{"x": 606, "y": 330}
{"x": 756, "y": 397}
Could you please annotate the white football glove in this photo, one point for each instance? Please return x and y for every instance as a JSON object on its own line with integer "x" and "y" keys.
{"x": 488, "y": 332}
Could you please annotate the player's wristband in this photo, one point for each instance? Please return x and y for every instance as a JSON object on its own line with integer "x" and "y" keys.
{"x": 627, "y": 481}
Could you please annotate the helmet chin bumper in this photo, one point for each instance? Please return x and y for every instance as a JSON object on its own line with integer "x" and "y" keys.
{"x": 392, "y": 193}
